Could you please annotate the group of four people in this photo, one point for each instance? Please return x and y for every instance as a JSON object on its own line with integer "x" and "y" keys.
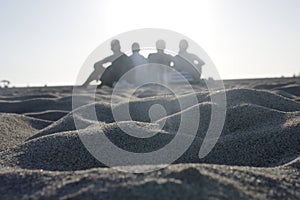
{"x": 184, "y": 62}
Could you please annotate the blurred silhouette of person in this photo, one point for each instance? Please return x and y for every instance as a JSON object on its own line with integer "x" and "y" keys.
{"x": 187, "y": 62}
{"x": 137, "y": 59}
{"x": 120, "y": 64}
{"x": 5, "y": 83}
{"x": 160, "y": 58}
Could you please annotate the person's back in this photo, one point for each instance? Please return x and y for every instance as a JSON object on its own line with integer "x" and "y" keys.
{"x": 187, "y": 62}
{"x": 138, "y": 61}
{"x": 136, "y": 58}
{"x": 116, "y": 70}
{"x": 183, "y": 65}
{"x": 160, "y": 60}
{"x": 121, "y": 65}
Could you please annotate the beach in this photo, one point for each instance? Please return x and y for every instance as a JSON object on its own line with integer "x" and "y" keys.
{"x": 257, "y": 155}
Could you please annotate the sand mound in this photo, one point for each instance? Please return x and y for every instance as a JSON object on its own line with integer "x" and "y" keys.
{"x": 273, "y": 85}
{"x": 40, "y": 104}
{"x": 139, "y": 108}
{"x": 291, "y": 89}
{"x": 260, "y": 130}
{"x": 251, "y": 115}
{"x": 189, "y": 181}
{"x": 15, "y": 129}
{"x": 270, "y": 144}
{"x": 261, "y": 98}
{"x": 285, "y": 94}
{"x": 34, "y": 105}
{"x": 64, "y": 124}
{"x": 263, "y": 139}
{"x": 261, "y": 135}
{"x": 83, "y": 117}
{"x": 252, "y": 136}
{"x": 62, "y": 151}
{"x": 52, "y": 115}
{"x": 294, "y": 164}
{"x": 65, "y": 151}
{"x": 27, "y": 97}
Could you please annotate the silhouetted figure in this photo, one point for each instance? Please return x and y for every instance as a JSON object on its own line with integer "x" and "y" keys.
{"x": 187, "y": 62}
{"x": 160, "y": 58}
{"x": 5, "y": 83}
{"x": 120, "y": 64}
{"x": 137, "y": 59}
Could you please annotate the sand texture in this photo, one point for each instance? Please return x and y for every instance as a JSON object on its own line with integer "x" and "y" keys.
{"x": 256, "y": 157}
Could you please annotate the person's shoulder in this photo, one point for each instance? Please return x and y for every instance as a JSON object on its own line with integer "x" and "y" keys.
{"x": 140, "y": 56}
{"x": 151, "y": 54}
{"x": 177, "y": 57}
{"x": 144, "y": 58}
{"x": 201, "y": 62}
{"x": 194, "y": 56}
{"x": 133, "y": 55}
{"x": 125, "y": 58}
{"x": 124, "y": 55}
{"x": 98, "y": 63}
{"x": 170, "y": 56}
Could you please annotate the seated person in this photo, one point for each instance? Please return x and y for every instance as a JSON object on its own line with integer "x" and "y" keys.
{"x": 187, "y": 62}
{"x": 159, "y": 58}
{"x": 137, "y": 60}
{"x": 120, "y": 64}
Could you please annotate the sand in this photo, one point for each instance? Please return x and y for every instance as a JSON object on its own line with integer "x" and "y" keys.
{"x": 257, "y": 155}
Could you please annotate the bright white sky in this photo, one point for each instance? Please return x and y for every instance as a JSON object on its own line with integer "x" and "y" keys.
{"x": 46, "y": 42}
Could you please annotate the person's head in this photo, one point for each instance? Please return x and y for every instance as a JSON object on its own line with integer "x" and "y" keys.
{"x": 135, "y": 47}
{"x": 115, "y": 45}
{"x": 160, "y": 44}
{"x": 183, "y": 45}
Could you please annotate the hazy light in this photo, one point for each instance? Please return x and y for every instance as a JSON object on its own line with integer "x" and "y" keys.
{"x": 46, "y": 42}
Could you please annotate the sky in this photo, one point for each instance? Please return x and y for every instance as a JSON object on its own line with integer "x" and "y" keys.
{"x": 47, "y": 42}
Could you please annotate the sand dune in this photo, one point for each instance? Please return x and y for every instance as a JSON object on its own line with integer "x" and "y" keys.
{"x": 295, "y": 164}
{"x": 15, "y": 129}
{"x": 52, "y": 115}
{"x": 257, "y": 132}
{"x": 256, "y": 156}
{"x": 291, "y": 89}
{"x": 174, "y": 182}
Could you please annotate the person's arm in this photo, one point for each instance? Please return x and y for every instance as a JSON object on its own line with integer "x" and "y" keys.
{"x": 197, "y": 61}
{"x": 99, "y": 64}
